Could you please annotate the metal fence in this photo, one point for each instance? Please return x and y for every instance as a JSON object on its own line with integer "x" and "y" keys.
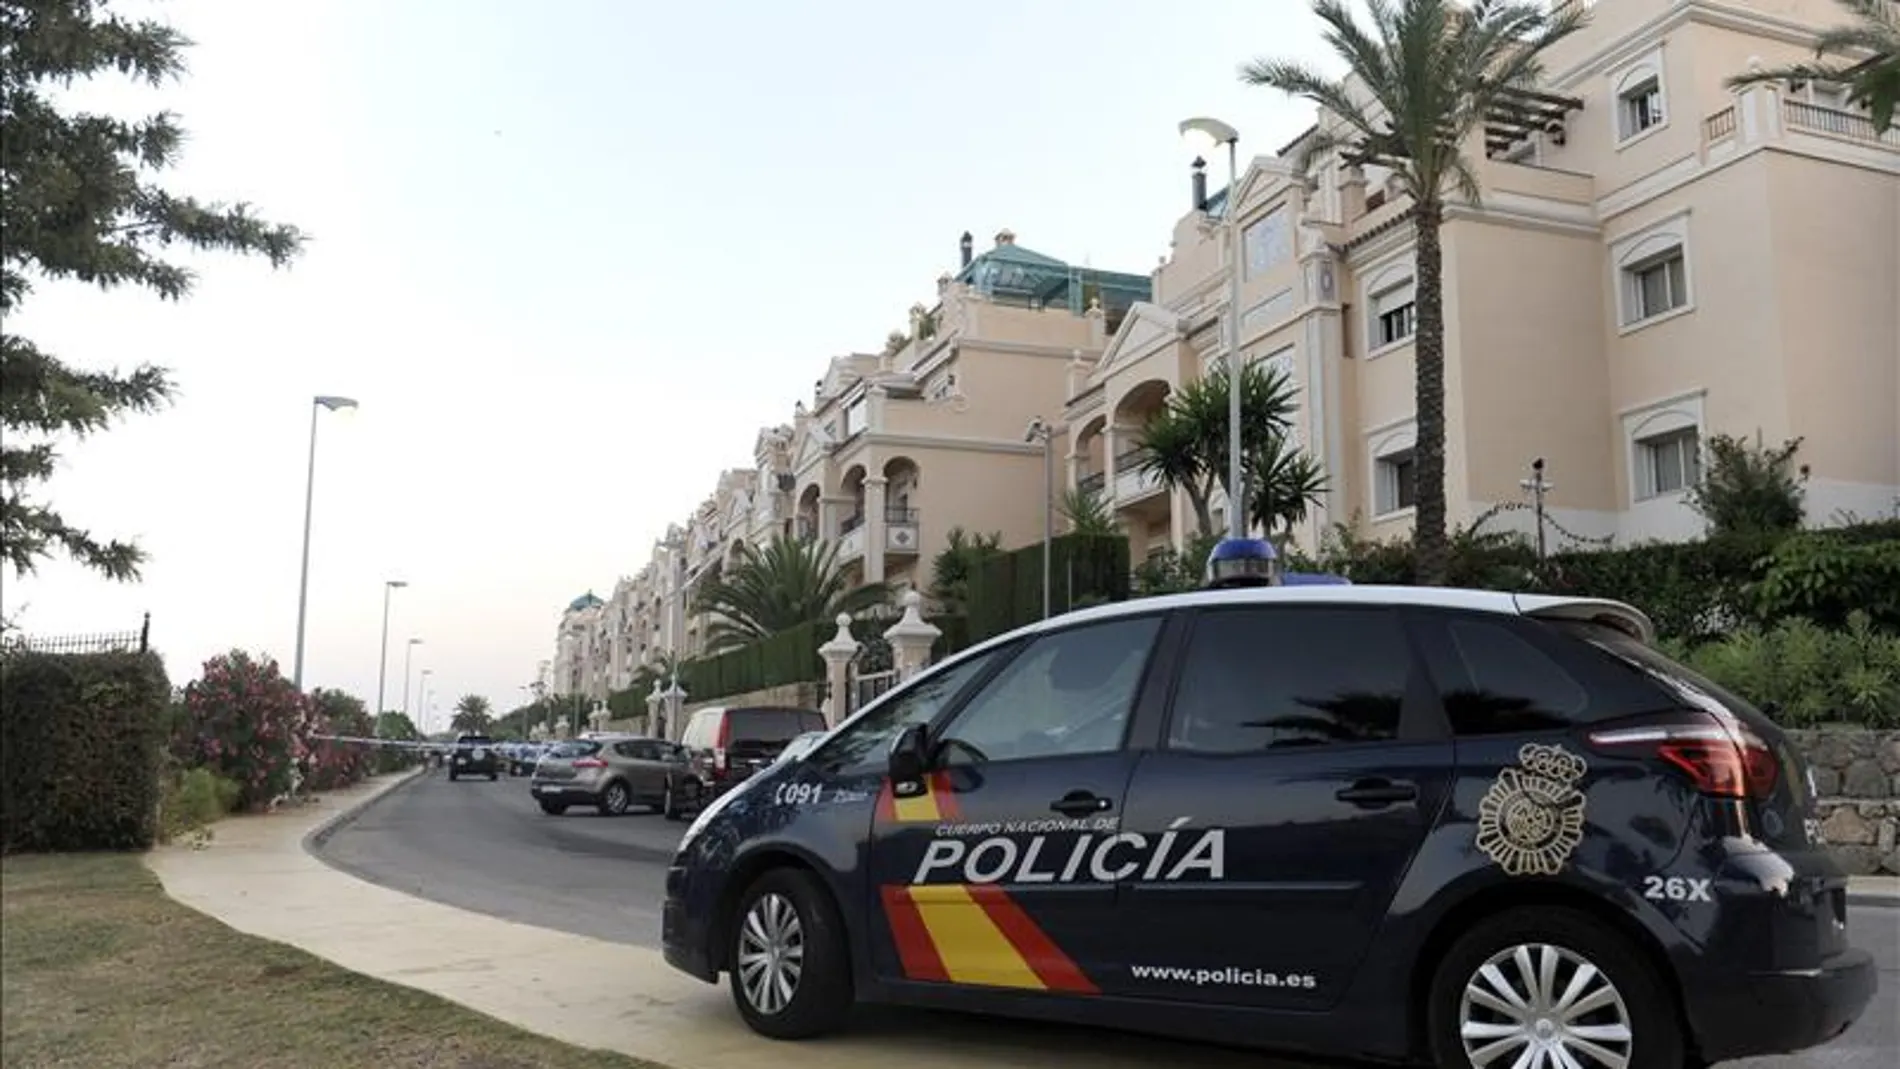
{"x": 135, "y": 641}
{"x": 866, "y": 687}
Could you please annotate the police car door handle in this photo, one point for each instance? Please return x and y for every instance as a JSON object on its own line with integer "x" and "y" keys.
{"x": 1377, "y": 792}
{"x": 1080, "y": 804}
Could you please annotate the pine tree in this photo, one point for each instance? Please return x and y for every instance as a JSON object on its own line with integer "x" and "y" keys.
{"x": 76, "y": 203}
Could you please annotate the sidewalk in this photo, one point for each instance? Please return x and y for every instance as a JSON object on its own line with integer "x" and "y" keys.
{"x": 257, "y": 877}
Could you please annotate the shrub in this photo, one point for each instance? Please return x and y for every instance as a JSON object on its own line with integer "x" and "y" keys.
{"x": 1748, "y": 488}
{"x": 191, "y": 800}
{"x": 1801, "y": 673}
{"x": 1825, "y": 579}
{"x": 81, "y": 742}
{"x": 330, "y": 765}
{"x": 246, "y": 722}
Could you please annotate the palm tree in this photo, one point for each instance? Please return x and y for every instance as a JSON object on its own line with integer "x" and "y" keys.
{"x": 1088, "y": 514}
{"x": 791, "y": 581}
{"x": 1420, "y": 81}
{"x": 1185, "y": 446}
{"x": 962, "y": 556}
{"x": 472, "y": 715}
{"x": 1867, "y": 61}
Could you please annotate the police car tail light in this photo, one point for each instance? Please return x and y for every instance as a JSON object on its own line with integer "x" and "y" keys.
{"x": 1720, "y": 755}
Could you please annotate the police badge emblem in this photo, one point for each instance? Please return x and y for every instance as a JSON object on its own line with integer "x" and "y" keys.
{"x": 1531, "y": 818}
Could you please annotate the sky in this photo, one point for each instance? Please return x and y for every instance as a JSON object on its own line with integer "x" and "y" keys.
{"x": 569, "y": 257}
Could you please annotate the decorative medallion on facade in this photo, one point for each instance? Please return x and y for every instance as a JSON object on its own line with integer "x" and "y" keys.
{"x": 1531, "y": 819}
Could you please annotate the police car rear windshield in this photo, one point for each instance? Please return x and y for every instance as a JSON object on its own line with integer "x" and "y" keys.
{"x": 475, "y": 740}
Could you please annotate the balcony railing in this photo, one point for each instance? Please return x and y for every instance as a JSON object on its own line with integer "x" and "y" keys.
{"x": 850, "y": 523}
{"x": 1836, "y": 123}
{"x": 851, "y": 544}
{"x": 1720, "y": 126}
{"x": 901, "y": 534}
{"x": 1092, "y": 483}
{"x": 806, "y": 528}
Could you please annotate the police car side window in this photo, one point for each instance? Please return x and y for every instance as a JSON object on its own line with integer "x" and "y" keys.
{"x": 1259, "y": 679}
{"x": 1071, "y": 692}
{"x": 865, "y": 743}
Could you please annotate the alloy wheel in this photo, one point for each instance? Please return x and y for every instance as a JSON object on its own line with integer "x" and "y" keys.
{"x": 1536, "y": 1006}
{"x": 771, "y": 955}
{"x": 616, "y": 799}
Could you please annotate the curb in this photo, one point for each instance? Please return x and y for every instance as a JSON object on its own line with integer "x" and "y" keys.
{"x": 317, "y": 836}
{"x": 1873, "y": 899}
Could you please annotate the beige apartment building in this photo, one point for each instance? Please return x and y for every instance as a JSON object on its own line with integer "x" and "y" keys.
{"x": 890, "y": 452}
{"x": 1655, "y": 259}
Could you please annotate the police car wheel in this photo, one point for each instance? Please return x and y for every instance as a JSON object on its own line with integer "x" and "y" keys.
{"x": 1556, "y": 981}
{"x": 790, "y": 964}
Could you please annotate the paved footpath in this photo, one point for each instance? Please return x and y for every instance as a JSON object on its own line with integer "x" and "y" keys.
{"x": 257, "y": 877}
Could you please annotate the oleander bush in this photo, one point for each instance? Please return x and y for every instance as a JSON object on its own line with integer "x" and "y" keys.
{"x": 329, "y": 764}
{"x": 244, "y": 721}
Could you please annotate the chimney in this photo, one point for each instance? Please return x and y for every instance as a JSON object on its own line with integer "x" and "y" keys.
{"x": 963, "y": 247}
{"x": 1005, "y": 236}
{"x": 1199, "y": 184}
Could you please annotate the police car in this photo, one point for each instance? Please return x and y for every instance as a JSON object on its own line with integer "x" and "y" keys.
{"x": 1401, "y": 824}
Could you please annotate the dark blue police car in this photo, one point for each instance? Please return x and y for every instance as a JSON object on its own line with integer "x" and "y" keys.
{"x": 1468, "y": 828}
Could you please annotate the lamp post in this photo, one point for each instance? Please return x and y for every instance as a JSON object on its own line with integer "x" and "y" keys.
{"x": 1236, "y": 490}
{"x": 318, "y": 404}
{"x": 422, "y": 707}
{"x": 382, "y": 654}
{"x": 1538, "y": 488}
{"x": 1040, "y": 431}
{"x": 408, "y": 659}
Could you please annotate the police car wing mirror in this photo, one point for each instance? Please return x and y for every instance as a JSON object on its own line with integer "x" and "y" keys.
{"x": 910, "y": 752}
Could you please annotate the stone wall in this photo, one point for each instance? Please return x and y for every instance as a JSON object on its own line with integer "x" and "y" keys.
{"x": 1857, "y": 776}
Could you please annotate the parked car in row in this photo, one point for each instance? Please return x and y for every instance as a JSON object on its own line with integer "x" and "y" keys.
{"x": 725, "y": 745}
{"x": 611, "y": 773}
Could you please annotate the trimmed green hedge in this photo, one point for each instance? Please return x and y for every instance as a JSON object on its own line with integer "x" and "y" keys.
{"x": 787, "y": 657}
{"x": 82, "y": 740}
{"x": 1006, "y": 593}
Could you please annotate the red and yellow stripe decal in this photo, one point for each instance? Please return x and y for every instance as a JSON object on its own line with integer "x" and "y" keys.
{"x": 938, "y": 802}
{"x": 976, "y": 934}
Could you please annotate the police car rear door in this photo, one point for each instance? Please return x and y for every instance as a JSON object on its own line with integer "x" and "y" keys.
{"x": 1302, "y": 760}
{"x": 995, "y": 871}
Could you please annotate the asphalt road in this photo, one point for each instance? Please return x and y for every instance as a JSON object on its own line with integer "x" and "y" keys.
{"x": 487, "y": 847}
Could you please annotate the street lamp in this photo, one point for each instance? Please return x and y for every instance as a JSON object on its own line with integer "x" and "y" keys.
{"x": 1040, "y": 431}
{"x": 318, "y": 404}
{"x": 422, "y": 708}
{"x": 1538, "y": 487}
{"x": 408, "y": 659}
{"x": 382, "y": 655}
{"x": 1236, "y": 492}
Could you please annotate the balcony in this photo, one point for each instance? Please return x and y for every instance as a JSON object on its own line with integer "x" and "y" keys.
{"x": 851, "y": 539}
{"x": 1092, "y": 483}
{"x": 901, "y": 533}
{"x": 1132, "y": 482}
{"x": 1833, "y": 122}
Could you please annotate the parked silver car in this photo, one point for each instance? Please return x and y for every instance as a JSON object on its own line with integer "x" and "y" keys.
{"x": 608, "y": 772}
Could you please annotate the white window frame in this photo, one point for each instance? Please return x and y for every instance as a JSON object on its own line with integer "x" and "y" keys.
{"x": 1644, "y": 424}
{"x": 1400, "y": 282}
{"x": 1272, "y": 254}
{"x": 1687, "y": 463}
{"x": 1638, "y": 79}
{"x": 1641, "y": 250}
{"x": 1386, "y": 448}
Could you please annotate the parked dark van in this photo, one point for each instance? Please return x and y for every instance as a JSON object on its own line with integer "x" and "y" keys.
{"x": 726, "y": 744}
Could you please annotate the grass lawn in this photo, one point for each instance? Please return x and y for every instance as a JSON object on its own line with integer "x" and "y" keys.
{"x": 100, "y": 969}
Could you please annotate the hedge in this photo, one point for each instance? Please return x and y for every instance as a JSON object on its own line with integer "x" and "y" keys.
{"x": 82, "y": 740}
{"x": 790, "y": 656}
{"x": 1006, "y": 593}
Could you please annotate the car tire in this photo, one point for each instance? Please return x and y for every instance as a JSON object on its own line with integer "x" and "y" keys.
{"x": 822, "y": 994}
{"x": 553, "y": 809}
{"x": 615, "y": 799}
{"x": 451, "y": 776}
{"x": 670, "y": 803}
{"x": 1639, "y": 1001}
{"x": 493, "y": 776}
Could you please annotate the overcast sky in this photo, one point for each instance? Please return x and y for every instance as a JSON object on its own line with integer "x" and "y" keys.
{"x": 570, "y": 256}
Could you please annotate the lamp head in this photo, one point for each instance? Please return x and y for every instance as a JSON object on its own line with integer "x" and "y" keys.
{"x": 333, "y": 403}
{"x": 1211, "y": 127}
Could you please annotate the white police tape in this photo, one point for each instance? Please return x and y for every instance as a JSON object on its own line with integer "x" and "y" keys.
{"x": 414, "y": 744}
